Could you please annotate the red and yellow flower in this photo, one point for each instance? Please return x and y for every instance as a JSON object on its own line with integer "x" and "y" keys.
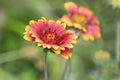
{"x": 52, "y": 35}
{"x": 82, "y": 19}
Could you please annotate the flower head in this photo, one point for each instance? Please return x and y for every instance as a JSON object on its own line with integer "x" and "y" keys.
{"x": 102, "y": 55}
{"x": 115, "y": 3}
{"x": 52, "y": 35}
{"x": 81, "y": 18}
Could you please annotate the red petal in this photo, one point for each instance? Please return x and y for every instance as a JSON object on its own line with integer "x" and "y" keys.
{"x": 66, "y": 53}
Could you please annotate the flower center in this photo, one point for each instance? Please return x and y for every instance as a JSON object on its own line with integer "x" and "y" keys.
{"x": 79, "y": 19}
{"x": 50, "y": 38}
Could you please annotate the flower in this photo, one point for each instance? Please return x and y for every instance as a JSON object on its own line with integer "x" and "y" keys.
{"x": 102, "y": 55}
{"x": 115, "y": 3}
{"x": 52, "y": 35}
{"x": 83, "y": 19}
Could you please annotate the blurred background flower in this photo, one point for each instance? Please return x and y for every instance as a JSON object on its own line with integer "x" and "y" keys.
{"x": 102, "y": 55}
{"x": 115, "y": 3}
{"x": 82, "y": 19}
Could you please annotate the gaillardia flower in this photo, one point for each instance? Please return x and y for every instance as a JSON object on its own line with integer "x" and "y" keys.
{"x": 82, "y": 19}
{"x": 52, "y": 35}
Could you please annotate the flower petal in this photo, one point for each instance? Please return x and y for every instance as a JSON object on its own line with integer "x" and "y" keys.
{"x": 57, "y": 51}
{"x": 28, "y": 34}
{"x": 66, "y": 53}
{"x": 66, "y": 19}
{"x": 67, "y": 39}
{"x": 93, "y": 32}
{"x": 71, "y": 7}
{"x": 85, "y": 11}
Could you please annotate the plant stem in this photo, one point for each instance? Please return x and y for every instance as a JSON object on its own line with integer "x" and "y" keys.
{"x": 66, "y": 69}
{"x": 118, "y": 42}
{"x": 45, "y": 66}
{"x": 69, "y": 69}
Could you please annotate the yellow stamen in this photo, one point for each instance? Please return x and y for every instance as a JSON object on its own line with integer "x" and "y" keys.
{"x": 50, "y": 36}
{"x": 79, "y": 19}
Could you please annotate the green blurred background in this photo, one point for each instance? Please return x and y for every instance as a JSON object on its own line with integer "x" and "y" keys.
{"x": 22, "y": 60}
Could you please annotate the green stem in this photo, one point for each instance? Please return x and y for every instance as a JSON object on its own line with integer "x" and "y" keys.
{"x": 66, "y": 69}
{"x": 69, "y": 69}
{"x": 118, "y": 42}
{"x": 45, "y": 66}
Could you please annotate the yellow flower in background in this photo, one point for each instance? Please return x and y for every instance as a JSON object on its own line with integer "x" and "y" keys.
{"x": 115, "y": 3}
{"x": 52, "y": 35}
{"x": 102, "y": 55}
